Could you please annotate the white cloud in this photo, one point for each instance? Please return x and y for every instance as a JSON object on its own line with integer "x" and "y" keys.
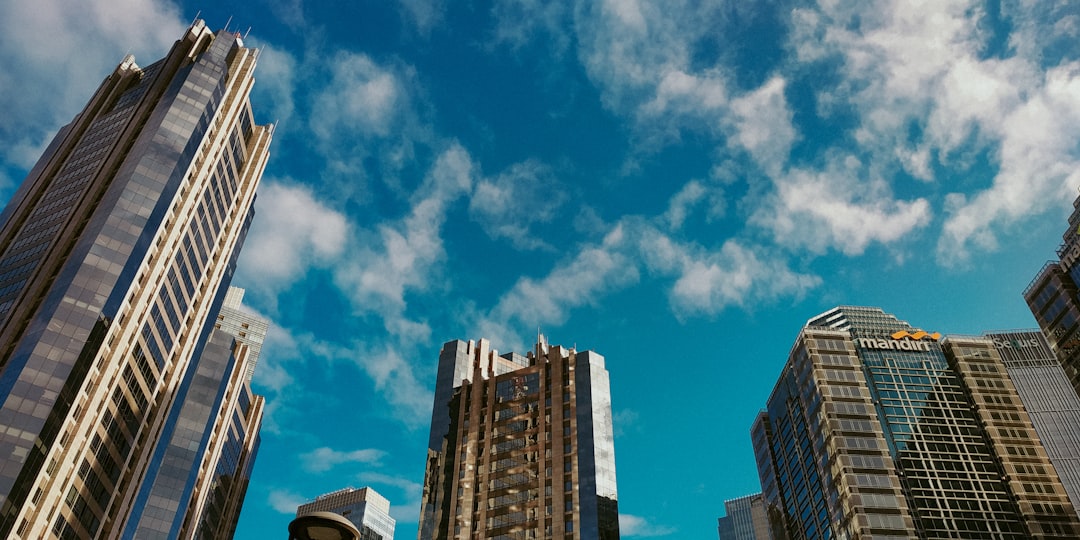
{"x": 285, "y": 501}
{"x": 575, "y": 281}
{"x": 839, "y": 208}
{"x": 707, "y": 282}
{"x": 425, "y": 14}
{"x": 395, "y": 379}
{"x": 518, "y": 22}
{"x": 272, "y": 96}
{"x": 762, "y": 125}
{"x": 637, "y": 526}
{"x": 509, "y": 204}
{"x": 400, "y": 257}
{"x": 324, "y": 458}
{"x": 925, "y": 66}
{"x": 361, "y": 97}
{"x": 682, "y": 202}
{"x": 1039, "y": 162}
{"x": 291, "y": 233}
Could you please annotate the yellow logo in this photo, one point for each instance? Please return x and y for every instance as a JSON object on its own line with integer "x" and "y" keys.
{"x": 917, "y": 335}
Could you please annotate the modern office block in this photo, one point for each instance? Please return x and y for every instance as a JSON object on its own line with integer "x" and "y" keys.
{"x": 1049, "y": 399}
{"x": 1054, "y": 299}
{"x": 877, "y": 429}
{"x": 198, "y": 475}
{"x": 365, "y": 508}
{"x": 520, "y": 446}
{"x": 745, "y": 519}
{"x": 115, "y": 254}
{"x": 247, "y": 328}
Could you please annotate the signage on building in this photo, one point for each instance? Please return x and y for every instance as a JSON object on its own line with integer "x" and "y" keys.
{"x": 900, "y": 341}
{"x": 1068, "y": 259}
{"x": 1016, "y": 343}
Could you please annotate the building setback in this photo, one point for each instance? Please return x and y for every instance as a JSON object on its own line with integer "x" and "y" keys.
{"x": 745, "y": 519}
{"x": 365, "y": 508}
{"x": 115, "y": 253}
{"x": 928, "y": 438}
{"x": 520, "y": 446}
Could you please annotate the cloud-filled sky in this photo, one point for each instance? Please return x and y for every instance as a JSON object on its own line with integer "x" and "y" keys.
{"x": 677, "y": 185}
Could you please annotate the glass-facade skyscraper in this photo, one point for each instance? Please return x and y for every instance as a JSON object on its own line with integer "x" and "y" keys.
{"x": 365, "y": 508}
{"x": 115, "y": 255}
{"x": 520, "y": 446}
{"x": 196, "y": 482}
{"x": 877, "y": 429}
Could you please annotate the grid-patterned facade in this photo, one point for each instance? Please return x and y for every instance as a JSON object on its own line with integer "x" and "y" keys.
{"x": 365, "y": 508}
{"x": 745, "y": 519}
{"x": 246, "y": 327}
{"x": 196, "y": 480}
{"x": 1049, "y": 399}
{"x": 525, "y": 446}
{"x": 113, "y": 252}
{"x": 879, "y": 430}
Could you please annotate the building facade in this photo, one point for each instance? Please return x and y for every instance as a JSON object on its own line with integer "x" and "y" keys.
{"x": 115, "y": 253}
{"x": 877, "y": 429}
{"x": 520, "y": 446}
{"x": 197, "y": 480}
{"x": 1049, "y": 399}
{"x": 365, "y": 508}
{"x": 745, "y": 519}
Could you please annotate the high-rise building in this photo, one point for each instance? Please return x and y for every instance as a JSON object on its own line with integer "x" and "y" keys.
{"x": 196, "y": 482}
{"x": 745, "y": 519}
{"x": 365, "y": 508}
{"x": 115, "y": 254}
{"x": 1049, "y": 399}
{"x": 520, "y": 446}
{"x": 877, "y": 429}
{"x": 1054, "y": 298}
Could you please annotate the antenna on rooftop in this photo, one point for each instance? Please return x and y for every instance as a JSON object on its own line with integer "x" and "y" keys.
{"x": 197, "y": 13}
{"x": 246, "y": 33}
{"x": 228, "y": 22}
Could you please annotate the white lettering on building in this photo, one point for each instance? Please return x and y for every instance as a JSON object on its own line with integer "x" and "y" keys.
{"x": 893, "y": 344}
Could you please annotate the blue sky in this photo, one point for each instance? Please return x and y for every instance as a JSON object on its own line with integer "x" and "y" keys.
{"x": 677, "y": 185}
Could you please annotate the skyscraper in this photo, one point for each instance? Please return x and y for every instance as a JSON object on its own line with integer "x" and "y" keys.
{"x": 878, "y": 429}
{"x": 196, "y": 482}
{"x": 365, "y": 508}
{"x": 115, "y": 254}
{"x": 520, "y": 446}
{"x": 1048, "y": 398}
{"x": 1054, "y": 299}
{"x": 745, "y": 519}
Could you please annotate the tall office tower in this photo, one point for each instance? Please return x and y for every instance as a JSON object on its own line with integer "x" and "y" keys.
{"x": 364, "y": 507}
{"x": 1054, "y": 299}
{"x": 1049, "y": 399}
{"x": 114, "y": 256}
{"x": 196, "y": 482}
{"x": 247, "y": 328}
{"x": 520, "y": 446}
{"x": 878, "y": 430}
{"x": 745, "y": 519}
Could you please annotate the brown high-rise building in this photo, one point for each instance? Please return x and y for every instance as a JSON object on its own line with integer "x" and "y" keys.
{"x": 115, "y": 254}
{"x": 520, "y": 446}
{"x": 877, "y": 429}
{"x": 1054, "y": 299}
